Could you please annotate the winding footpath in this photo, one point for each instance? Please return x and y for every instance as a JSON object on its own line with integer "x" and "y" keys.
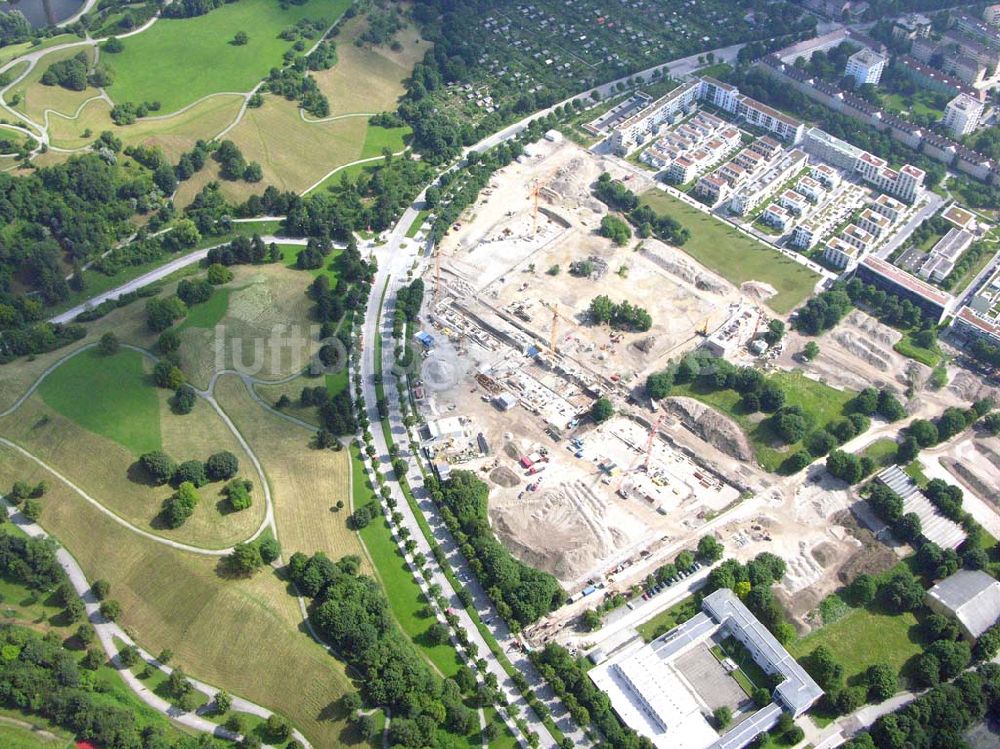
{"x": 108, "y": 631}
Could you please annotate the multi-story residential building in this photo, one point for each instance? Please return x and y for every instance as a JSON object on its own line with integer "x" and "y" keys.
{"x": 826, "y": 175}
{"x": 756, "y": 191}
{"x": 733, "y": 173}
{"x": 865, "y": 66}
{"x": 931, "y": 300}
{"x": 905, "y": 184}
{"x": 811, "y": 188}
{"x": 887, "y": 206}
{"x": 758, "y": 114}
{"x": 874, "y": 223}
{"x": 857, "y": 237}
{"x": 835, "y": 151}
{"x": 750, "y": 160}
{"x": 636, "y": 129}
{"x": 793, "y": 202}
{"x": 911, "y": 26}
{"x": 840, "y": 254}
{"x": 766, "y": 146}
{"x": 991, "y": 15}
{"x": 806, "y": 234}
{"x": 961, "y": 115}
{"x": 713, "y": 189}
{"x": 776, "y": 216}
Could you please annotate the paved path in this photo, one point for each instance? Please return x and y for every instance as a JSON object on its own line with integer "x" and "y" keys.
{"x": 107, "y": 631}
{"x": 178, "y": 263}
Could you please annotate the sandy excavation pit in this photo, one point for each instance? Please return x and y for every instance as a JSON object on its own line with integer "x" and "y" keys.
{"x": 504, "y": 259}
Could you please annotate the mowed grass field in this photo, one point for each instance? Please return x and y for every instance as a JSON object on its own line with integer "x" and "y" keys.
{"x": 106, "y": 470}
{"x": 266, "y": 328}
{"x": 16, "y": 737}
{"x": 863, "y": 638}
{"x": 734, "y": 256}
{"x": 175, "y": 133}
{"x": 178, "y": 61}
{"x": 305, "y": 483}
{"x": 109, "y": 395}
{"x": 244, "y": 635}
{"x": 36, "y": 97}
{"x": 369, "y": 79}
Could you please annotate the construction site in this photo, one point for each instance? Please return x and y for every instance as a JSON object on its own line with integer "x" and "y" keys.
{"x": 513, "y": 365}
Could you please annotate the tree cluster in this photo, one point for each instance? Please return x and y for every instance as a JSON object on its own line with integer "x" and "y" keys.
{"x": 619, "y": 315}
{"x": 521, "y": 593}
{"x": 352, "y": 613}
{"x": 753, "y": 583}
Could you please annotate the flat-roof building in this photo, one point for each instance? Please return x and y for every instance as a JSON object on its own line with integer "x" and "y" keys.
{"x": 651, "y": 696}
{"x": 961, "y": 115}
{"x": 972, "y": 597}
{"x": 776, "y": 216}
{"x": 931, "y": 300}
{"x": 865, "y": 66}
{"x": 840, "y": 254}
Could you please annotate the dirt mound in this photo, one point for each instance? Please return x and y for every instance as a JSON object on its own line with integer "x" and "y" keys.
{"x": 872, "y": 328}
{"x": 972, "y": 480}
{"x": 511, "y": 451}
{"x": 503, "y": 476}
{"x": 758, "y": 290}
{"x": 969, "y": 387}
{"x": 717, "y": 430}
{"x": 863, "y": 348}
{"x": 681, "y": 268}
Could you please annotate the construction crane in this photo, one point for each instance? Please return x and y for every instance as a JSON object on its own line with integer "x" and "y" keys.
{"x": 556, "y": 314}
{"x": 649, "y": 441}
{"x": 437, "y": 273}
{"x": 535, "y": 189}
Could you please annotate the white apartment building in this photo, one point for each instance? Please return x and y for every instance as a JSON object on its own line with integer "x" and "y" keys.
{"x": 806, "y": 234}
{"x": 962, "y": 114}
{"x": 865, "y": 66}
{"x": 874, "y": 223}
{"x": 840, "y": 254}
{"x": 776, "y": 216}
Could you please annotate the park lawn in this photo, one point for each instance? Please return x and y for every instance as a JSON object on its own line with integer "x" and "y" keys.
{"x": 267, "y": 330}
{"x": 290, "y": 253}
{"x": 202, "y": 58}
{"x": 882, "y": 451}
{"x": 12, "y": 51}
{"x": 405, "y": 596}
{"x": 175, "y": 133}
{"x": 505, "y": 739}
{"x": 306, "y": 484}
{"x": 209, "y": 313}
{"x": 666, "y": 620}
{"x": 306, "y": 152}
{"x": 36, "y": 97}
{"x": 734, "y": 256}
{"x": 244, "y": 635}
{"x": 915, "y": 471}
{"x": 908, "y": 348}
{"x": 821, "y": 404}
{"x": 114, "y": 480}
{"x": 108, "y": 395}
{"x": 369, "y": 79}
{"x": 379, "y": 138}
{"x": 863, "y": 638}
{"x": 16, "y": 737}
{"x": 20, "y": 605}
